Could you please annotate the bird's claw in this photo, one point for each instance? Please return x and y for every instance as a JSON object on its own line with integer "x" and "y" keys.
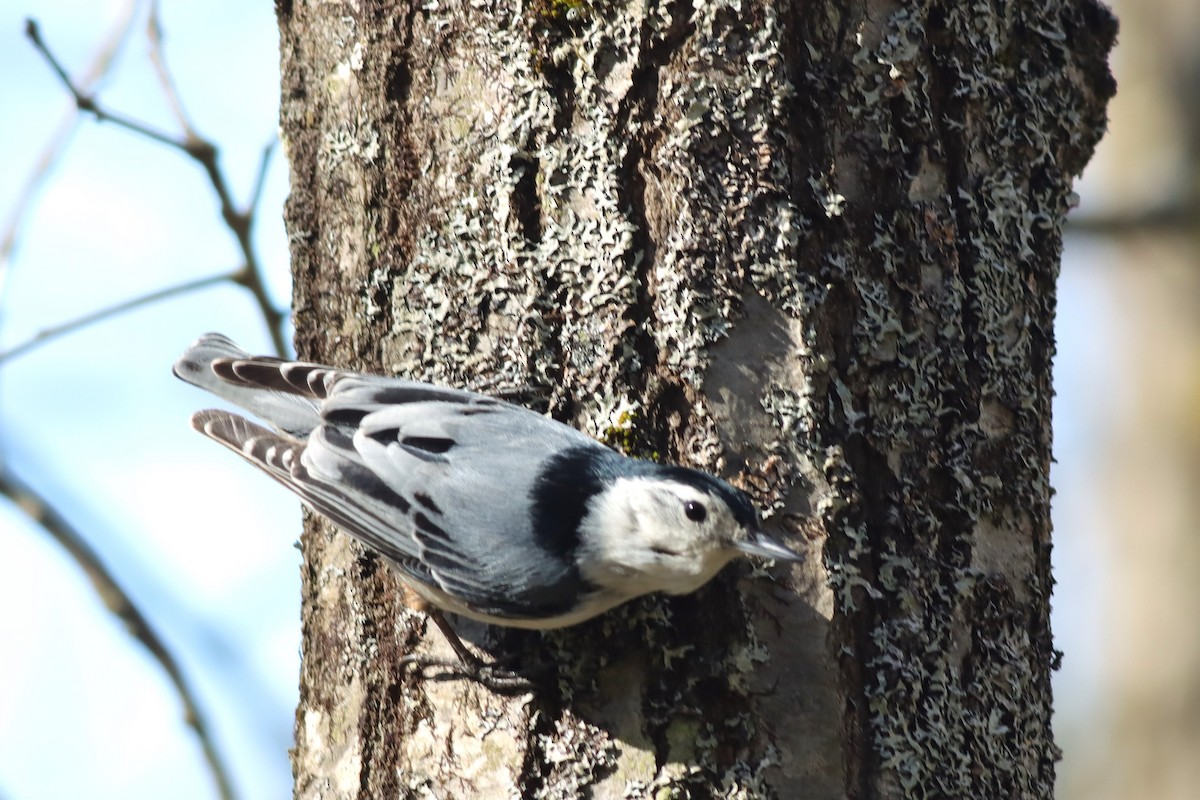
{"x": 491, "y": 676}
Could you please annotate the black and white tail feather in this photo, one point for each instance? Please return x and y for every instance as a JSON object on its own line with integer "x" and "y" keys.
{"x": 486, "y": 509}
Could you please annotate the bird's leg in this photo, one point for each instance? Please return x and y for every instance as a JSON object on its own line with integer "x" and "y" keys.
{"x": 469, "y": 666}
{"x": 460, "y": 647}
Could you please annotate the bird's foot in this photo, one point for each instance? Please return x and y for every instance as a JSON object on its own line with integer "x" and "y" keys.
{"x": 492, "y": 676}
{"x": 495, "y": 676}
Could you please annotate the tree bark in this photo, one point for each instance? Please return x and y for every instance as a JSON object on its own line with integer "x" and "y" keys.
{"x": 812, "y": 248}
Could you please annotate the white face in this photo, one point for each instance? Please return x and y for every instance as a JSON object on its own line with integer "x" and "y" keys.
{"x": 652, "y": 535}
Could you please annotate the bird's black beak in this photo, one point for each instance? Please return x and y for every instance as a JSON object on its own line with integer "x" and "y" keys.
{"x": 759, "y": 544}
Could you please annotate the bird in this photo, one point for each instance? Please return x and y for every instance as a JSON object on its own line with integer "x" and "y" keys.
{"x": 484, "y": 508}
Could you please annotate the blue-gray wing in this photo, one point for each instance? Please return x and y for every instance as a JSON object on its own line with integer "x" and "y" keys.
{"x": 438, "y": 481}
{"x": 463, "y": 468}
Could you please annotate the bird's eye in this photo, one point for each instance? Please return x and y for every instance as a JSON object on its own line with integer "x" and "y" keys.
{"x": 696, "y": 512}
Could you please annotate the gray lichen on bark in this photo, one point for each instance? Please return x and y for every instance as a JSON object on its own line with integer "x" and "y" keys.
{"x": 813, "y": 248}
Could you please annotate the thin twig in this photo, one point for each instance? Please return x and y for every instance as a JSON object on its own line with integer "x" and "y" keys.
{"x": 204, "y": 152}
{"x": 260, "y": 180}
{"x": 1179, "y": 217}
{"x": 47, "y": 334}
{"x": 240, "y": 222}
{"x": 118, "y": 601}
{"x": 95, "y": 71}
{"x": 154, "y": 35}
{"x": 85, "y": 102}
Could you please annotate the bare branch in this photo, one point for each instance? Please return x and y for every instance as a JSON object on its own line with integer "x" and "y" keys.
{"x": 241, "y": 222}
{"x": 154, "y": 35}
{"x": 95, "y": 71}
{"x": 85, "y": 102}
{"x": 47, "y": 334}
{"x": 117, "y": 600}
{"x": 260, "y": 179}
{"x": 206, "y": 154}
{"x": 1175, "y": 218}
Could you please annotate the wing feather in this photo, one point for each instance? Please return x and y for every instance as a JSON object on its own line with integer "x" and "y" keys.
{"x": 437, "y": 480}
{"x": 369, "y": 519}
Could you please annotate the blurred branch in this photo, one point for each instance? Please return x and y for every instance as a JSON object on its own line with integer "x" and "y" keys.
{"x": 199, "y": 149}
{"x": 1181, "y": 217}
{"x": 96, "y": 70}
{"x": 154, "y": 34}
{"x": 44, "y": 514}
{"x": 260, "y": 180}
{"x": 47, "y": 334}
{"x": 85, "y": 102}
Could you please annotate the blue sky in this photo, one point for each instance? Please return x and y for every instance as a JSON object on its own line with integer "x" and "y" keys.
{"x": 96, "y": 421}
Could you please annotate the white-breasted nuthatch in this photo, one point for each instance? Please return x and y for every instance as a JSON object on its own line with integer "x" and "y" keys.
{"x": 487, "y": 509}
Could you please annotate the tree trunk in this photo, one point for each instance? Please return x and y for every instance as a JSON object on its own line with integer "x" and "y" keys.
{"x": 811, "y": 248}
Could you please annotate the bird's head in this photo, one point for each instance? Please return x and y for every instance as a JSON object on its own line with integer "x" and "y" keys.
{"x": 669, "y": 530}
